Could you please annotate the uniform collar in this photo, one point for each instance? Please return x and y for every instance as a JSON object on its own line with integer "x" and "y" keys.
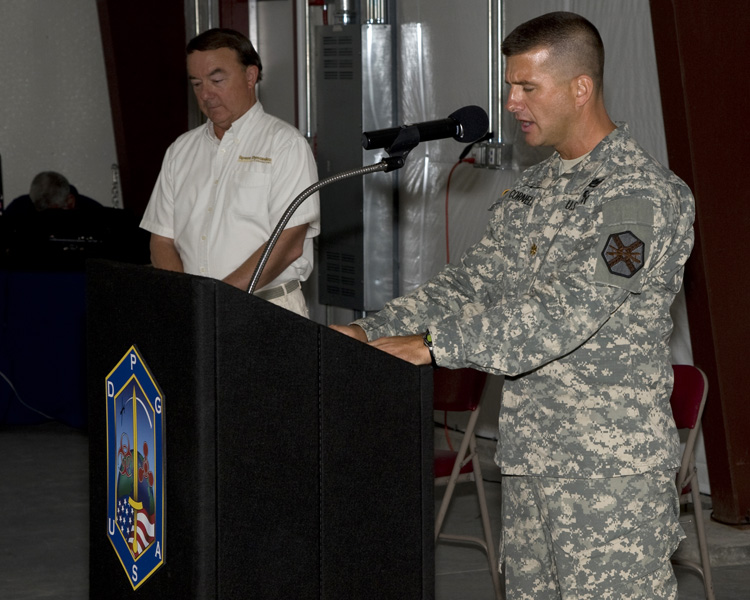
{"x": 580, "y": 176}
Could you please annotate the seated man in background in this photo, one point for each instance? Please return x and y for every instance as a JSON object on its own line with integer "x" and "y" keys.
{"x": 54, "y": 228}
{"x": 50, "y": 190}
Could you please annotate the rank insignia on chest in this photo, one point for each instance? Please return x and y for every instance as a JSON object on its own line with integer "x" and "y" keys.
{"x": 135, "y": 468}
{"x": 624, "y": 254}
{"x": 572, "y": 204}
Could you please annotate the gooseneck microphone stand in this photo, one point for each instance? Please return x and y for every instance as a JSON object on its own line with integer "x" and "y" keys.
{"x": 405, "y": 142}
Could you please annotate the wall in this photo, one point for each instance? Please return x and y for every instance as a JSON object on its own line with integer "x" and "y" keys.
{"x": 276, "y": 91}
{"x": 54, "y": 105}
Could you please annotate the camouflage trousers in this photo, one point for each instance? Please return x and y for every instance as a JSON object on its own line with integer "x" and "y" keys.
{"x": 602, "y": 539}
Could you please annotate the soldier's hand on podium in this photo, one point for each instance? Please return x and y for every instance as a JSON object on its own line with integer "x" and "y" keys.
{"x": 353, "y": 331}
{"x": 410, "y": 348}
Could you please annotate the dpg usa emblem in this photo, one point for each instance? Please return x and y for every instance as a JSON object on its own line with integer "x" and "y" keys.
{"x": 135, "y": 468}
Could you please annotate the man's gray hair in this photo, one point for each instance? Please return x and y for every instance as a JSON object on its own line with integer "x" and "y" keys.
{"x": 49, "y": 190}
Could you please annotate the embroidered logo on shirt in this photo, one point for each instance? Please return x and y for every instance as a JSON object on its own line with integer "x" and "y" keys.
{"x": 624, "y": 254}
{"x": 260, "y": 159}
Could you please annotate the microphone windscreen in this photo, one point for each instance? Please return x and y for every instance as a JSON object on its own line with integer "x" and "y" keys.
{"x": 474, "y": 123}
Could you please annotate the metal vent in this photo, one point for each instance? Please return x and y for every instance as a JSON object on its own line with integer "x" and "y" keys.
{"x": 356, "y": 266}
{"x": 338, "y": 58}
{"x": 341, "y": 274}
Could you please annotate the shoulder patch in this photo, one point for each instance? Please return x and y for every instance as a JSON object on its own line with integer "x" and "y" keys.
{"x": 624, "y": 254}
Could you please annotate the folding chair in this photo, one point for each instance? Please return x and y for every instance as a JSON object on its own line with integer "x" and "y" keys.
{"x": 688, "y": 400}
{"x": 458, "y": 391}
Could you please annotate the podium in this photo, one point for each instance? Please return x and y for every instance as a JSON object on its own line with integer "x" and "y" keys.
{"x": 297, "y": 462}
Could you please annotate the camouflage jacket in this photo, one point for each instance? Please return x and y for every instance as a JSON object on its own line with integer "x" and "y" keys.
{"x": 568, "y": 296}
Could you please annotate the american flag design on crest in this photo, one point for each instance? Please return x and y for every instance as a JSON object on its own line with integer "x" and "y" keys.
{"x": 136, "y": 525}
{"x": 135, "y": 463}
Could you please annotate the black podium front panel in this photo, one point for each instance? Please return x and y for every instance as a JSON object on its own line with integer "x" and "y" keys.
{"x": 376, "y": 473}
{"x": 298, "y": 461}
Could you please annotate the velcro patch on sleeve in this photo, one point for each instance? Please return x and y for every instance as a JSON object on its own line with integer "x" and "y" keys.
{"x": 624, "y": 254}
{"x": 624, "y": 243}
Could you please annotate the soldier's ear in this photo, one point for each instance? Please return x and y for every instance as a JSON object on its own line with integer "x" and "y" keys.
{"x": 584, "y": 88}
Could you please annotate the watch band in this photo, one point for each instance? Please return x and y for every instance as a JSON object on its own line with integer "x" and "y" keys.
{"x": 427, "y": 339}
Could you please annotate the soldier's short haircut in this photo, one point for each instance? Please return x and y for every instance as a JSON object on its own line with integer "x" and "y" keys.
{"x": 573, "y": 41}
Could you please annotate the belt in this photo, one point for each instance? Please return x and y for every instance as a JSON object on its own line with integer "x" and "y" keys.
{"x": 279, "y": 290}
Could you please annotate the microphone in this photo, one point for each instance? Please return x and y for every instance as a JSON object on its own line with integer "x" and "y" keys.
{"x": 466, "y": 125}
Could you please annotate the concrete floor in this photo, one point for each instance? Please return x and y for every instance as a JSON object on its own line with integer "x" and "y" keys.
{"x": 44, "y": 528}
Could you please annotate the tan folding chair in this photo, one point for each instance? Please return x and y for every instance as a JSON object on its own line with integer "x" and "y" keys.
{"x": 688, "y": 400}
{"x": 458, "y": 391}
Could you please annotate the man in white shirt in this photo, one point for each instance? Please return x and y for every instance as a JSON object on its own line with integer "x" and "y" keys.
{"x": 224, "y": 186}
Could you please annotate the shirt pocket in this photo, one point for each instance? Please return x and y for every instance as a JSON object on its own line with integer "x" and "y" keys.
{"x": 252, "y": 195}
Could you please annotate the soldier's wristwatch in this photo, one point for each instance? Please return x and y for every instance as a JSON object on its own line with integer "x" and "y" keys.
{"x": 427, "y": 339}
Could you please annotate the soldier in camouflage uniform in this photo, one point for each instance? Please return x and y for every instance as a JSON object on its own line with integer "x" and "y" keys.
{"x": 568, "y": 296}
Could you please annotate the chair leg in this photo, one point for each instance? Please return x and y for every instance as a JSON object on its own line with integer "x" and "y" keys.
{"x": 491, "y": 555}
{"x": 448, "y": 494}
{"x": 700, "y": 529}
{"x": 468, "y": 443}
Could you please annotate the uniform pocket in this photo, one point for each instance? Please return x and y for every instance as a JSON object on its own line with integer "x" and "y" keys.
{"x": 631, "y": 564}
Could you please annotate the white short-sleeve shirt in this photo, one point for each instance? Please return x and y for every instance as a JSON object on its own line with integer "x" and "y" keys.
{"x": 220, "y": 200}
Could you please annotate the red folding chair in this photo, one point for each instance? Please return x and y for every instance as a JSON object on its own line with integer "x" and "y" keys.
{"x": 688, "y": 400}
